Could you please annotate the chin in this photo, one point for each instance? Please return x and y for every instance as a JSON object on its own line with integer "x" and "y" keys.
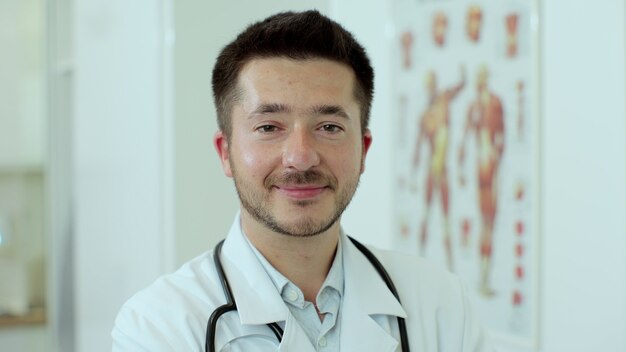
{"x": 305, "y": 227}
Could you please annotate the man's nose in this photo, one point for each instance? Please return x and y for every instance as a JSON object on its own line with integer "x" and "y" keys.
{"x": 300, "y": 151}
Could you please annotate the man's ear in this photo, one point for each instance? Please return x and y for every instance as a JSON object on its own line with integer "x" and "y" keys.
{"x": 367, "y": 142}
{"x": 221, "y": 146}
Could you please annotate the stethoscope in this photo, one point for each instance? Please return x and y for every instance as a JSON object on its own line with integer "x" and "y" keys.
{"x": 276, "y": 329}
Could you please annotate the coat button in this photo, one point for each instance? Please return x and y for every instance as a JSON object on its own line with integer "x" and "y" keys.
{"x": 292, "y": 295}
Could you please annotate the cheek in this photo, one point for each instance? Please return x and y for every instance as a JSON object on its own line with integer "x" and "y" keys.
{"x": 249, "y": 158}
{"x": 346, "y": 161}
{"x": 253, "y": 161}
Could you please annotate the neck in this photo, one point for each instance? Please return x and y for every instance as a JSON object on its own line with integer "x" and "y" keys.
{"x": 305, "y": 261}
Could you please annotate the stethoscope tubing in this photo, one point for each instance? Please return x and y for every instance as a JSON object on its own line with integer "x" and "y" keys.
{"x": 230, "y": 304}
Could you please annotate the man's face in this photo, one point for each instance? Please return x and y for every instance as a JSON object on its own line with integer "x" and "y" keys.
{"x": 296, "y": 151}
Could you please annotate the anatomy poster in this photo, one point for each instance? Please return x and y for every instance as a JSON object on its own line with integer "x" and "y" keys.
{"x": 467, "y": 150}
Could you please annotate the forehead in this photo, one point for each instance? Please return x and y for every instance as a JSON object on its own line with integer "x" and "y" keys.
{"x": 283, "y": 78}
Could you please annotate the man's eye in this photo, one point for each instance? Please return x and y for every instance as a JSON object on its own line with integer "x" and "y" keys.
{"x": 267, "y": 128}
{"x": 330, "y": 128}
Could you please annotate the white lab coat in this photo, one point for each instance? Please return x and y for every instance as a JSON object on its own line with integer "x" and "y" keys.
{"x": 172, "y": 313}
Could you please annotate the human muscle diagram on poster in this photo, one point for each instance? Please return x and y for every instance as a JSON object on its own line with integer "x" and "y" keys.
{"x": 467, "y": 153}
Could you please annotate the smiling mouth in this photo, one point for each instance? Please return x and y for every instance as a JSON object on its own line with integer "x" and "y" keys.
{"x": 301, "y": 186}
{"x": 301, "y": 192}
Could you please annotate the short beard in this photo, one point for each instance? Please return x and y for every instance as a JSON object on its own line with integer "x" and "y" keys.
{"x": 257, "y": 206}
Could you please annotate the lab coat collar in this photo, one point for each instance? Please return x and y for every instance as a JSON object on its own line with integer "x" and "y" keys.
{"x": 258, "y": 301}
{"x": 365, "y": 296}
{"x": 368, "y": 290}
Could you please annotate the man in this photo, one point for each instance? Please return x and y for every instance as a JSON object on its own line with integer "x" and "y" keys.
{"x": 485, "y": 117}
{"x": 293, "y": 94}
{"x": 434, "y": 127}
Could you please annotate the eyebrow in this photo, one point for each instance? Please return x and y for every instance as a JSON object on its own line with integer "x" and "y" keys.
{"x": 270, "y": 109}
{"x": 329, "y": 110}
{"x": 273, "y": 108}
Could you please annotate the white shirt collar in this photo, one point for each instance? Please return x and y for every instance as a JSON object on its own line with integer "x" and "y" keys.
{"x": 333, "y": 280}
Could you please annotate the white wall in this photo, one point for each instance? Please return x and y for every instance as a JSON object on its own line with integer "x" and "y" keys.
{"x": 121, "y": 167}
{"x": 206, "y": 201}
{"x": 583, "y": 264}
{"x": 584, "y": 245}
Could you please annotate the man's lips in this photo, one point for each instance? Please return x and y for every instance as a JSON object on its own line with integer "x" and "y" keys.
{"x": 301, "y": 192}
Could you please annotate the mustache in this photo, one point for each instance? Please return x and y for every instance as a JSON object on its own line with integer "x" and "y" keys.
{"x": 301, "y": 178}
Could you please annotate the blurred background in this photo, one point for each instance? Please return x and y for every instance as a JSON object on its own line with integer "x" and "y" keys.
{"x": 108, "y": 177}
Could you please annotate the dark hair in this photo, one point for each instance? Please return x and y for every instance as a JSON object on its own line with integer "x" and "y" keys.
{"x": 298, "y": 36}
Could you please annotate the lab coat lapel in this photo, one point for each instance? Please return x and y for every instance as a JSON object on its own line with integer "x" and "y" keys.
{"x": 365, "y": 294}
{"x": 258, "y": 301}
{"x": 295, "y": 339}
